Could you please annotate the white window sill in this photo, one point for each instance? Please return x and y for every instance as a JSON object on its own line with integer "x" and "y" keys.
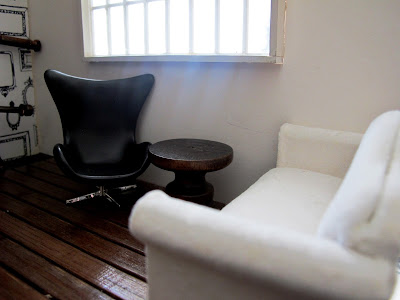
{"x": 188, "y": 58}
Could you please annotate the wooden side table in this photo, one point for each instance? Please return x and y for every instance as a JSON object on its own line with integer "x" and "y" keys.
{"x": 190, "y": 160}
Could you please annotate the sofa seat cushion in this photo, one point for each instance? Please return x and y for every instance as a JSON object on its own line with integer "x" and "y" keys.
{"x": 294, "y": 199}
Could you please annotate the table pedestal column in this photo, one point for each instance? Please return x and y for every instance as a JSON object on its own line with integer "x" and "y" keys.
{"x": 191, "y": 186}
{"x": 190, "y": 160}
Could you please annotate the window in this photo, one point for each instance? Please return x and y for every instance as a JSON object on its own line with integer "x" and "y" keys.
{"x": 184, "y": 30}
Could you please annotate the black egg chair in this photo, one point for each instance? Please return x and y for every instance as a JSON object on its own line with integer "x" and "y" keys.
{"x": 99, "y": 120}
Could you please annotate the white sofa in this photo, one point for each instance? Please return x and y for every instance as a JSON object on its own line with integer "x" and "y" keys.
{"x": 312, "y": 228}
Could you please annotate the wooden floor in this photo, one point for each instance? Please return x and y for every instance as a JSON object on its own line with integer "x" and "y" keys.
{"x": 49, "y": 250}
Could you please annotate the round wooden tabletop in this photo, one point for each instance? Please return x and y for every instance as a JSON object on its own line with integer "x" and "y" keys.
{"x": 190, "y": 155}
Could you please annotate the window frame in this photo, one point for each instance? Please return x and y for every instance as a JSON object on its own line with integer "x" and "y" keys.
{"x": 277, "y": 43}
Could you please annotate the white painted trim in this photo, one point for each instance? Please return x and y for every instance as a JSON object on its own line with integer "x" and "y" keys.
{"x": 86, "y": 28}
{"x": 188, "y": 58}
{"x": 277, "y": 30}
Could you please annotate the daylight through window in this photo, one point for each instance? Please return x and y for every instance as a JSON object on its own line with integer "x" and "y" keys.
{"x": 177, "y": 27}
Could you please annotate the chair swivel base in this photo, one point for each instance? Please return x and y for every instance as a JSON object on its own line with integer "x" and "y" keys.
{"x": 102, "y": 192}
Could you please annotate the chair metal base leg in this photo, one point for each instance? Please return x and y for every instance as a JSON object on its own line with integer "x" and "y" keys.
{"x": 111, "y": 199}
{"x": 84, "y": 197}
{"x": 102, "y": 192}
{"x": 125, "y": 188}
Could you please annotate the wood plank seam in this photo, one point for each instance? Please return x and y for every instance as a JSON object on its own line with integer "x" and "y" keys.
{"x": 50, "y": 278}
{"x": 61, "y": 267}
{"x": 49, "y": 190}
{"x": 53, "y": 176}
{"x": 130, "y": 272}
{"x": 29, "y": 235}
{"x": 22, "y": 278}
{"x": 13, "y": 178}
{"x": 54, "y": 250}
{"x": 140, "y": 251}
{"x": 13, "y": 288}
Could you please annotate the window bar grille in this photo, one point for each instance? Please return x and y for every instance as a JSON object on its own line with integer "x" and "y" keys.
{"x": 146, "y": 28}
{"x": 191, "y": 29}
{"x": 245, "y": 26}
{"x": 92, "y": 40}
{"x": 126, "y": 28}
{"x": 217, "y": 25}
{"x": 109, "y": 42}
{"x": 167, "y": 26}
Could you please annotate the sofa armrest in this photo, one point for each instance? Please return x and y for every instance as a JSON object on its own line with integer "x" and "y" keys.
{"x": 236, "y": 247}
{"x": 315, "y": 149}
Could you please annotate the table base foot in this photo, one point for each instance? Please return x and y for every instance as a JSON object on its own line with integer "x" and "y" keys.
{"x": 204, "y": 198}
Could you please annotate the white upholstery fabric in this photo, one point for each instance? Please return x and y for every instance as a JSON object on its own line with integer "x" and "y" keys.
{"x": 263, "y": 244}
{"x": 316, "y": 149}
{"x": 201, "y": 281}
{"x": 361, "y": 214}
{"x": 233, "y": 246}
{"x": 289, "y": 198}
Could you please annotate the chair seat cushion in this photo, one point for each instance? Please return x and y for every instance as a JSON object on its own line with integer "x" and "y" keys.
{"x": 294, "y": 199}
{"x": 106, "y": 170}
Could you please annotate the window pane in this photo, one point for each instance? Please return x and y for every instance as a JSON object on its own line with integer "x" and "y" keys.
{"x": 100, "y": 41}
{"x": 117, "y": 30}
{"x": 156, "y": 27}
{"x": 179, "y": 26}
{"x": 203, "y": 26}
{"x": 98, "y": 2}
{"x": 136, "y": 28}
{"x": 231, "y": 26}
{"x": 259, "y": 26}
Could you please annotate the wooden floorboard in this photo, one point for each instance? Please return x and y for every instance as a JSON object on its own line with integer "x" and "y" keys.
{"x": 84, "y": 266}
{"x": 14, "y": 288}
{"x": 118, "y": 256}
{"x": 82, "y": 218}
{"x": 55, "y": 179}
{"x": 50, "y": 250}
{"x": 59, "y": 187}
{"x": 45, "y": 275}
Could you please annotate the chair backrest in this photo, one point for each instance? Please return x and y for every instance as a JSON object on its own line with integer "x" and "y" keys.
{"x": 98, "y": 117}
{"x": 365, "y": 212}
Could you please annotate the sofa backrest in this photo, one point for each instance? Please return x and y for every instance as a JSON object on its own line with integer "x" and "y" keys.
{"x": 320, "y": 150}
{"x": 364, "y": 215}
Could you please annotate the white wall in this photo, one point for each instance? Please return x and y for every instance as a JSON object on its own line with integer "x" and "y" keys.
{"x": 342, "y": 68}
